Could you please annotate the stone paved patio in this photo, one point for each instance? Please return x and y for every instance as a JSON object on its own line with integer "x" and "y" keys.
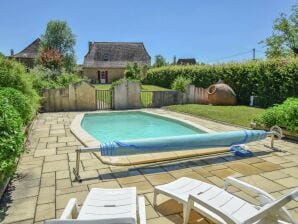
{"x": 43, "y": 183}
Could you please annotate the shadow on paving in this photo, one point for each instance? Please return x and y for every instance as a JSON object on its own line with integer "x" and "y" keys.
{"x": 167, "y": 166}
{"x": 6, "y": 199}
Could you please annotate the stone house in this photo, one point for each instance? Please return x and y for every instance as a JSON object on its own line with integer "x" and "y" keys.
{"x": 28, "y": 55}
{"x": 107, "y": 61}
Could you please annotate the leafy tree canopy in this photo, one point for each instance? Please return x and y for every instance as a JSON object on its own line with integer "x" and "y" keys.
{"x": 284, "y": 40}
{"x": 159, "y": 61}
{"x": 58, "y": 36}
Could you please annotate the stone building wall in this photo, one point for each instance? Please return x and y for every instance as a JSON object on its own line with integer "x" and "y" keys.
{"x": 113, "y": 73}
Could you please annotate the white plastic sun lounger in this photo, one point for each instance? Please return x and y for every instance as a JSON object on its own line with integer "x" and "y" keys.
{"x": 105, "y": 206}
{"x": 220, "y": 206}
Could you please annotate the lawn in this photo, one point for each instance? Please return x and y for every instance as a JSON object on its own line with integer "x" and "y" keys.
{"x": 146, "y": 97}
{"x": 238, "y": 115}
{"x": 102, "y": 86}
{"x": 144, "y": 87}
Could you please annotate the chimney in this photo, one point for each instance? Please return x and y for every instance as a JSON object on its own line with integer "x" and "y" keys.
{"x": 11, "y": 52}
{"x": 90, "y": 45}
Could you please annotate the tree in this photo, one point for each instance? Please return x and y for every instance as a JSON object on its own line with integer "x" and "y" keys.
{"x": 51, "y": 58}
{"x": 284, "y": 40}
{"x": 159, "y": 61}
{"x": 58, "y": 36}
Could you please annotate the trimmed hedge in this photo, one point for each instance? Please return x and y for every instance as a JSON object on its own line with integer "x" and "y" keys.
{"x": 11, "y": 139}
{"x": 19, "y": 101}
{"x": 272, "y": 80}
{"x": 284, "y": 115}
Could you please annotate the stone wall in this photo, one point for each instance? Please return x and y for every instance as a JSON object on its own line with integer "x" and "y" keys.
{"x": 165, "y": 98}
{"x": 192, "y": 95}
{"x": 127, "y": 95}
{"x": 76, "y": 97}
{"x": 196, "y": 95}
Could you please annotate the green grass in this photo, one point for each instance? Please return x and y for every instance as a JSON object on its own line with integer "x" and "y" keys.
{"x": 102, "y": 86}
{"x": 144, "y": 87}
{"x": 237, "y": 115}
{"x": 153, "y": 88}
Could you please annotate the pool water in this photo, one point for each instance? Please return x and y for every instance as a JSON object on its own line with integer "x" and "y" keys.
{"x": 133, "y": 125}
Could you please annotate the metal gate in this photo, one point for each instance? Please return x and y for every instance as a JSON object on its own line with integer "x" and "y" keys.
{"x": 146, "y": 98}
{"x": 104, "y": 99}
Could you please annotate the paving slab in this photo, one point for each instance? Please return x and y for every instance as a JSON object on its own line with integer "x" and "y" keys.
{"x": 55, "y": 166}
{"x": 21, "y": 209}
{"x": 45, "y": 212}
{"x": 46, "y": 195}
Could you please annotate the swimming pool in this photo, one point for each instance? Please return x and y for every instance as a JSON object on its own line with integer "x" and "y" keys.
{"x": 112, "y": 126}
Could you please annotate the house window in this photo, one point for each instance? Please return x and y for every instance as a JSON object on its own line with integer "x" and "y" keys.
{"x": 105, "y": 57}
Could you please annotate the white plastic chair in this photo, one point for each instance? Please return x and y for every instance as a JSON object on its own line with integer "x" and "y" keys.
{"x": 220, "y": 206}
{"x": 108, "y": 206}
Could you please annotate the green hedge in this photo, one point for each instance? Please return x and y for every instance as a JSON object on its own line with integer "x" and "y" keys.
{"x": 11, "y": 139}
{"x": 19, "y": 101}
{"x": 272, "y": 80}
{"x": 284, "y": 115}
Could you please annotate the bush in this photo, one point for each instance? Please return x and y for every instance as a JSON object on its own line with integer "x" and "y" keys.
{"x": 180, "y": 83}
{"x": 272, "y": 80}
{"x": 11, "y": 139}
{"x": 13, "y": 74}
{"x": 66, "y": 79}
{"x": 19, "y": 101}
{"x": 284, "y": 115}
{"x": 43, "y": 78}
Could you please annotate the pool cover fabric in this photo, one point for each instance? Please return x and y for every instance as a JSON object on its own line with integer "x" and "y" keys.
{"x": 184, "y": 142}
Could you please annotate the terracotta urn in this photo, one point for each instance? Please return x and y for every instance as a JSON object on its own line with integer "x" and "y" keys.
{"x": 221, "y": 94}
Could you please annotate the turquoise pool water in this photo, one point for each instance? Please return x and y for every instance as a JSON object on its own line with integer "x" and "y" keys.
{"x": 133, "y": 125}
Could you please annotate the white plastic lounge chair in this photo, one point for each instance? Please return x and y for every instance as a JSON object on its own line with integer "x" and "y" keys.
{"x": 105, "y": 206}
{"x": 220, "y": 206}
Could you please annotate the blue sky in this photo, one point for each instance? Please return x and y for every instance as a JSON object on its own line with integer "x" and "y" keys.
{"x": 210, "y": 31}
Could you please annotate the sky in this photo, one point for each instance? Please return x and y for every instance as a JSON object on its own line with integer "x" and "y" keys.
{"x": 211, "y": 31}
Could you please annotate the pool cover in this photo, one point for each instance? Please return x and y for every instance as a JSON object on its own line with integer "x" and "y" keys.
{"x": 185, "y": 142}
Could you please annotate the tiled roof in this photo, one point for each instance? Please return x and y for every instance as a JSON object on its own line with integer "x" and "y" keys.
{"x": 116, "y": 54}
{"x": 31, "y": 51}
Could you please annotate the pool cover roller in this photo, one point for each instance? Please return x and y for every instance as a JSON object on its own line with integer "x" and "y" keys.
{"x": 184, "y": 142}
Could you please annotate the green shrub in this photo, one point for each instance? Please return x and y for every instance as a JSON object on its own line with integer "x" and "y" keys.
{"x": 11, "y": 138}
{"x": 272, "y": 80}
{"x": 181, "y": 83}
{"x": 43, "y": 78}
{"x": 13, "y": 74}
{"x": 66, "y": 79}
{"x": 284, "y": 115}
{"x": 19, "y": 101}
